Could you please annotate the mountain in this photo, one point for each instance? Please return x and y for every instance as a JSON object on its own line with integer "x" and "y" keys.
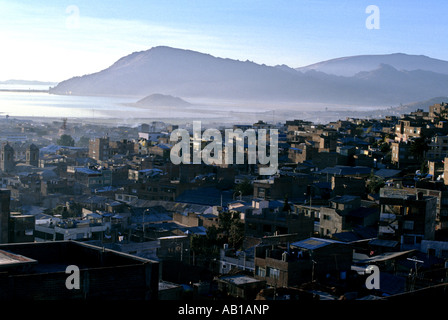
{"x": 369, "y": 80}
{"x": 182, "y": 73}
{"x": 27, "y": 82}
{"x": 162, "y": 100}
{"x": 349, "y": 66}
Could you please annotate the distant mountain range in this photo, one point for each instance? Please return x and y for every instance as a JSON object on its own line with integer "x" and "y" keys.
{"x": 350, "y": 66}
{"x": 368, "y": 80}
{"x": 27, "y": 82}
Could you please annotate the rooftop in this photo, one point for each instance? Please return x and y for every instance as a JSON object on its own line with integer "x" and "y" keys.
{"x": 346, "y": 170}
{"x": 239, "y": 279}
{"x": 344, "y": 199}
{"x": 8, "y": 259}
{"x": 314, "y": 243}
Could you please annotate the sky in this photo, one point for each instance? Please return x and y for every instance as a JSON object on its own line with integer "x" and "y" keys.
{"x": 57, "y": 40}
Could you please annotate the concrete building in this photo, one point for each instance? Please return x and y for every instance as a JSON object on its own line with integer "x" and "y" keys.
{"x": 293, "y": 186}
{"x": 74, "y": 229}
{"x": 38, "y": 271}
{"x": 348, "y": 185}
{"x": 21, "y": 228}
{"x": 438, "y": 111}
{"x": 229, "y": 260}
{"x": 408, "y": 128}
{"x": 5, "y": 196}
{"x": 90, "y": 178}
{"x": 261, "y": 220}
{"x": 99, "y": 149}
{"x": 345, "y": 213}
{"x": 402, "y": 155}
{"x": 405, "y": 218}
{"x": 302, "y": 261}
{"x": 240, "y": 286}
{"x": 438, "y": 148}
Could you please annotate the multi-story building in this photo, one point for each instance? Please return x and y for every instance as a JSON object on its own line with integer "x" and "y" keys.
{"x": 405, "y": 218}
{"x": 438, "y": 111}
{"x": 5, "y": 196}
{"x": 407, "y": 129}
{"x": 302, "y": 261}
{"x": 21, "y": 227}
{"x": 99, "y": 149}
{"x": 438, "y": 148}
{"x": 90, "y": 178}
{"x": 293, "y": 186}
{"x": 345, "y": 213}
{"x": 38, "y": 271}
{"x": 260, "y": 221}
{"x": 402, "y": 155}
{"x": 240, "y": 260}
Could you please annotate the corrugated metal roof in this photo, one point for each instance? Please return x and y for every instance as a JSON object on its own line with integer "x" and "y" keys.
{"x": 314, "y": 243}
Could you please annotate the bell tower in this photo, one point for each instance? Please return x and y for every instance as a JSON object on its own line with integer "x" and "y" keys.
{"x": 32, "y": 155}
{"x": 7, "y": 158}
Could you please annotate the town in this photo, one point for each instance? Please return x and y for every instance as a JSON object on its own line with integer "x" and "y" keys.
{"x": 348, "y": 197}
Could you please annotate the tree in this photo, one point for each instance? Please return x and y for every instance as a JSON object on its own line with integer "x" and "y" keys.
{"x": 236, "y": 234}
{"x": 384, "y": 147}
{"x": 204, "y": 248}
{"x": 245, "y": 187}
{"x": 374, "y": 184}
{"x": 66, "y": 140}
{"x": 83, "y": 142}
{"x": 67, "y": 212}
{"x": 419, "y": 147}
{"x": 231, "y": 228}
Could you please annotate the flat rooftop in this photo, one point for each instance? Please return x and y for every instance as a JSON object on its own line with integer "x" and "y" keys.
{"x": 54, "y": 256}
{"x": 8, "y": 259}
{"x": 239, "y": 279}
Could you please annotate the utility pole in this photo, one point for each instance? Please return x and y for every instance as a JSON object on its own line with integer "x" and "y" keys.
{"x": 414, "y": 276}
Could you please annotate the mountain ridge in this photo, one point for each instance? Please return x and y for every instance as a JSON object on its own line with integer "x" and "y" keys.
{"x": 190, "y": 74}
{"x": 400, "y": 61}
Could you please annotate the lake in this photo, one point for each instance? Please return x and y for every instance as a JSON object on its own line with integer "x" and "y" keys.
{"x": 96, "y": 108}
{"x": 123, "y": 111}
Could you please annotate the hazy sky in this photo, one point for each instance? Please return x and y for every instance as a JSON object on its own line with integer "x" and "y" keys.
{"x": 56, "y": 40}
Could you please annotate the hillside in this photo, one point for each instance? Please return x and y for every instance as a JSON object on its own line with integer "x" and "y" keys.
{"x": 162, "y": 100}
{"x": 190, "y": 74}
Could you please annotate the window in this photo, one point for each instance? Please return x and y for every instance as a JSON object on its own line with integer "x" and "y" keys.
{"x": 408, "y": 225}
{"x": 274, "y": 273}
{"x": 261, "y": 272}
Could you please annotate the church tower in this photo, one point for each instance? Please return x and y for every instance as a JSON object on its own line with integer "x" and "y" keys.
{"x": 32, "y": 155}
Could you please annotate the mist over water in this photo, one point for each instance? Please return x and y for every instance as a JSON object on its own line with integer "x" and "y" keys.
{"x": 124, "y": 109}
